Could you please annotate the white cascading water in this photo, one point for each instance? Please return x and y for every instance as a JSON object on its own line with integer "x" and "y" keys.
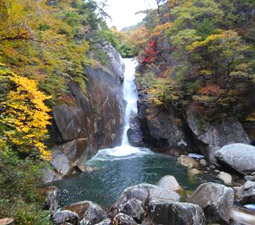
{"x": 130, "y": 96}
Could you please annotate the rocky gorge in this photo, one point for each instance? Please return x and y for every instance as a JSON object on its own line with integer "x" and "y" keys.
{"x": 219, "y": 201}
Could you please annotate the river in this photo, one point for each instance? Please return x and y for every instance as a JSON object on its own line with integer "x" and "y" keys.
{"x": 122, "y": 166}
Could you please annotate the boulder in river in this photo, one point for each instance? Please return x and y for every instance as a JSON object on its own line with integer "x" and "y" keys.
{"x": 240, "y": 157}
{"x": 88, "y": 210}
{"x": 65, "y": 216}
{"x": 135, "y": 134}
{"x": 122, "y": 219}
{"x": 188, "y": 162}
{"x": 225, "y": 177}
{"x": 246, "y": 193}
{"x": 169, "y": 182}
{"x": 216, "y": 200}
{"x": 133, "y": 208}
{"x": 143, "y": 192}
{"x": 179, "y": 213}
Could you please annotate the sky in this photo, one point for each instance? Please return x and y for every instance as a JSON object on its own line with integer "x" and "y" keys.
{"x": 123, "y": 12}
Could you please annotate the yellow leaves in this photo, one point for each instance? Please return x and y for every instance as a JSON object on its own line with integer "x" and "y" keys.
{"x": 208, "y": 40}
{"x": 25, "y": 114}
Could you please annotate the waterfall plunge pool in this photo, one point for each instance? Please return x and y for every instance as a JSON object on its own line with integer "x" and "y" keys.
{"x": 116, "y": 171}
{"x": 122, "y": 166}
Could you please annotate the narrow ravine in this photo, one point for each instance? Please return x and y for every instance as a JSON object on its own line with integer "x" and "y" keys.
{"x": 120, "y": 167}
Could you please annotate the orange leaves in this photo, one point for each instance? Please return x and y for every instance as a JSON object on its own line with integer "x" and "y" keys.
{"x": 210, "y": 90}
{"x": 157, "y": 31}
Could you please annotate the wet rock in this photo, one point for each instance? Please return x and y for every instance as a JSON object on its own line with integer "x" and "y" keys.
{"x": 225, "y": 177}
{"x": 246, "y": 194}
{"x": 188, "y": 162}
{"x": 216, "y": 200}
{"x": 169, "y": 183}
{"x": 65, "y": 216}
{"x": 135, "y": 134}
{"x": 133, "y": 208}
{"x": 143, "y": 192}
{"x": 240, "y": 157}
{"x": 122, "y": 219}
{"x": 165, "y": 212}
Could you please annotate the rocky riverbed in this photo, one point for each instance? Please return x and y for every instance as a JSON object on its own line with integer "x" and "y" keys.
{"x": 227, "y": 199}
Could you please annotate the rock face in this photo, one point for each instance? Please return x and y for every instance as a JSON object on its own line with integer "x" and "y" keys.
{"x": 214, "y": 135}
{"x": 240, "y": 157}
{"x": 88, "y": 122}
{"x": 177, "y": 133}
{"x": 162, "y": 131}
{"x": 165, "y": 212}
{"x": 216, "y": 200}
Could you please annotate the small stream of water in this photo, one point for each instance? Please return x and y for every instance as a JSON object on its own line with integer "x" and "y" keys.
{"x": 122, "y": 166}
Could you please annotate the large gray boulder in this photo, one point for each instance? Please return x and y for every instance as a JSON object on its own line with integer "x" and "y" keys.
{"x": 169, "y": 182}
{"x": 216, "y": 200}
{"x": 143, "y": 192}
{"x": 240, "y": 157}
{"x": 65, "y": 216}
{"x": 179, "y": 213}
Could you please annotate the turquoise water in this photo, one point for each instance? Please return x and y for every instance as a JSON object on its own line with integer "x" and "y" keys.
{"x": 118, "y": 169}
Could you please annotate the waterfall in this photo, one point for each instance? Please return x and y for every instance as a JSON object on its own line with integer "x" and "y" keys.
{"x": 130, "y": 96}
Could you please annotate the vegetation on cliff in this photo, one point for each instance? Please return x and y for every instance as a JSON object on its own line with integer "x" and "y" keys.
{"x": 43, "y": 46}
{"x": 200, "y": 53}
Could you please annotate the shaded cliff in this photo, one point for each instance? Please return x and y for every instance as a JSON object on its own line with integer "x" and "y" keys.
{"x": 89, "y": 121}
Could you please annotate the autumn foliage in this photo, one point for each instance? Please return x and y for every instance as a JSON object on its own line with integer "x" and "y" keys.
{"x": 24, "y": 115}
